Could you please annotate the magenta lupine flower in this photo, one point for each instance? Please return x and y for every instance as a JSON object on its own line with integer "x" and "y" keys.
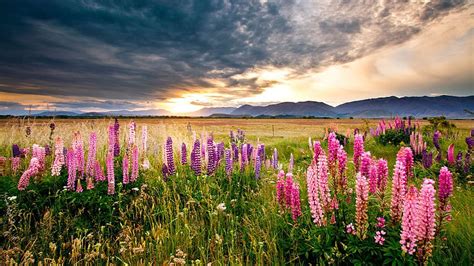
{"x": 365, "y": 162}
{"x": 409, "y": 161}
{"x": 228, "y": 162}
{"x": 244, "y": 153}
{"x": 196, "y": 158}
{"x": 291, "y": 163}
{"x": 379, "y": 239}
{"x": 16, "y": 164}
{"x": 445, "y": 186}
{"x": 135, "y": 166}
{"x": 288, "y": 189}
{"x": 342, "y": 164}
{"x": 71, "y": 168}
{"x": 280, "y": 189}
{"x": 125, "y": 170}
{"x": 39, "y": 153}
{"x": 58, "y": 157}
{"x": 322, "y": 172}
{"x": 358, "y": 150}
{"x": 333, "y": 146}
{"x": 91, "y": 157}
{"x": 451, "y": 154}
{"x": 170, "y": 156}
{"x": 409, "y": 221}
{"x": 258, "y": 166}
{"x": 78, "y": 147}
{"x": 132, "y": 127}
{"x": 382, "y": 174}
{"x": 426, "y": 225}
{"x": 295, "y": 202}
{"x": 111, "y": 139}
{"x": 99, "y": 174}
{"x": 116, "y": 138}
{"x": 373, "y": 178}
{"x": 317, "y": 150}
{"x": 315, "y": 205}
{"x": 33, "y": 169}
{"x": 184, "y": 154}
{"x": 211, "y": 157}
{"x": 398, "y": 191}
{"x": 110, "y": 174}
{"x": 362, "y": 200}
{"x": 380, "y": 222}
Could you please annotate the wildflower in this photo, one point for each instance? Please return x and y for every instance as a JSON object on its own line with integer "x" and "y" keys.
{"x": 125, "y": 170}
{"x": 362, "y": 197}
{"x": 71, "y": 168}
{"x": 169, "y": 156}
{"x": 379, "y": 239}
{"x": 134, "y": 174}
{"x": 275, "y": 158}
{"x": 184, "y": 155}
{"x": 315, "y": 205}
{"x": 409, "y": 221}
{"x": 373, "y": 178}
{"x": 291, "y": 163}
{"x": 350, "y": 229}
{"x": 342, "y": 162}
{"x": 78, "y": 147}
{"x": 99, "y": 174}
{"x": 451, "y": 154}
{"x": 398, "y": 191}
{"x": 16, "y": 150}
{"x": 79, "y": 186}
{"x": 165, "y": 171}
{"x": 219, "y": 152}
{"x": 146, "y": 164}
{"x": 426, "y": 220}
{"x": 358, "y": 149}
{"x": 467, "y": 162}
{"x": 280, "y": 188}
{"x": 116, "y": 138}
{"x": 228, "y": 162}
{"x": 382, "y": 174}
{"x": 58, "y": 157}
{"x": 90, "y": 183}
{"x": 40, "y": 153}
{"x": 322, "y": 172}
{"x": 196, "y": 158}
{"x": 258, "y": 167}
{"x": 144, "y": 139}
{"x": 110, "y": 174}
{"x": 15, "y": 164}
{"x": 427, "y": 159}
{"x": 92, "y": 154}
{"x": 380, "y": 222}
{"x": 131, "y": 133}
{"x": 288, "y": 189}
{"x": 295, "y": 202}
{"x": 333, "y": 146}
{"x": 317, "y": 150}
{"x": 33, "y": 169}
{"x": 221, "y": 207}
{"x": 436, "y": 137}
{"x": 111, "y": 139}
{"x": 211, "y": 151}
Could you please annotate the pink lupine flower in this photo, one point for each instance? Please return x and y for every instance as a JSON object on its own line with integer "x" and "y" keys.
{"x": 315, "y": 205}
{"x": 111, "y": 139}
{"x": 33, "y": 169}
{"x": 373, "y": 178}
{"x": 288, "y": 189}
{"x": 322, "y": 172}
{"x": 79, "y": 186}
{"x": 110, "y": 173}
{"x": 134, "y": 175}
{"x": 90, "y": 183}
{"x": 125, "y": 170}
{"x": 291, "y": 163}
{"x": 445, "y": 181}
{"x": 132, "y": 127}
{"x": 358, "y": 150}
{"x": 334, "y": 203}
{"x": 379, "y": 239}
{"x": 409, "y": 221}
{"x": 426, "y": 225}
{"x": 58, "y": 157}
{"x": 342, "y": 163}
{"x": 380, "y": 222}
{"x": 71, "y": 168}
{"x": 409, "y": 161}
{"x": 144, "y": 139}
{"x": 78, "y": 147}
{"x": 99, "y": 174}
{"x": 365, "y": 162}
{"x": 350, "y": 229}
{"x": 362, "y": 200}
{"x": 317, "y": 151}
{"x": 39, "y": 153}
{"x": 295, "y": 202}
{"x": 91, "y": 157}
{"x": 15, "y": 164}
{"x": 382, "y": 174}
{"x": 333, "y": 146}
{"x": 451, "y": 159}
{"x": 398, "y": 191}
{"x": 280, "y": 189}
{"x": 333, "y": 218}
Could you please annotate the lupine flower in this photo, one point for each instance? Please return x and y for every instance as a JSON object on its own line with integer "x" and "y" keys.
{"x": 33, "y": 169}
{"x": 79, "y": 186}
{"x": 426, "y": 225}
{"x": 409, "y": 221}
{"x": 291, "y": 163}
{"x": 165, "y": 171}
{"x": 15, "y": 164}
{"x": 405, "y": 155}
{"x": 365, "y": 162}
{"x": 170, "y": 156}
{"x": 111, "y": 139}
{"x": 373, "y": 178}
{"x": 99, "y": 174}
{"x": 211, "y": 151}
{"x": 427, "y": 159}
{"x": 398, "y": 191}
{"x": 350, "y": 229}
{"x": 235, "y": 152}
{"x": 342, "y": 163}
{"x": 470, "y": 143}
{"x": 317, "y": 150}
{"x": 146, "y": 164}
{"x": 445, "y": 187}
{"x": 184, "y": 154}
{"x": 196, "y": 158}
{"x": 280, "y": 189}
{"x": 333, "y": 146}
{"x": 322, "y": 172}
{"x": 295, "y": 202}
{"x": 91, "y": 157}
{"x": 125, "y": 170}
{"x": 116, "y": 138}
{"x": 382, "y": 174}
{"x": 358, "y": 149}
{"x": 261, "y": 152}
{"x": 467, "y": 162}
{"x": 228, "y": 162}
{"x": 16, "y": 150}
{"x": 275, "y": 158}
{"x": 90, "y": 183}
{"x": 219, "y": 152}
{"x": 71, "y": 168}
{"x": 362, "y": 200}
{"x": 379, "y": 239}
{"x": 288, "y": 189}
{"x": 436, "y": 137}
{"x": 144, "y": 139}
{"x": 380, "y": 222}
{"x": 451, "y": 154}
{"x": 40, "y": 153}
{"x": 132, "y": 127}
{"x": 258, "y": 166}
{"x": 244, "y": 153}
{"x": 58, "y": 157}
{"x": 78, "y": 147}
{"x": 110, "y": 174}
{"x": 315, "y": 205}
{"x": 134, "y": 175}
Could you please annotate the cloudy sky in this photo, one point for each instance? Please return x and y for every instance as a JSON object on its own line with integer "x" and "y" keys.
{"x": 184, "y": 55}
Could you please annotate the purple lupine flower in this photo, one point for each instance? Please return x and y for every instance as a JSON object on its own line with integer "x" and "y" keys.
{"x": 470, "y": 143}
{"x": 170, "y": 156}
{"x": 249, "y": 151}
{"x": 436, "y": 136}
{"x": 228, "y": 162}
{"x": 165, "y": 171}
{"x": 220, "y": 151}
{"x": 211, "y": 151}
{"x": 235, "y": 152}
{"x": 459, "y": 161}
{"x": 244, "y": 153}
{"x": 196, "y": 158}
{"x": 427, "y": 159}
{"x": 116, "y": 138}
{"x": 184, "y": 154}
{"x": 47, "y": 150}
{"x": 261, "y": 152}
{"x": 16, "y": 150}
{"x": 467, "y": 162}
{"x": 258, "y": 167}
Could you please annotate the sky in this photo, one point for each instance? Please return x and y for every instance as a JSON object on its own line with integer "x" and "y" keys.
{"x": 185, "y": 55}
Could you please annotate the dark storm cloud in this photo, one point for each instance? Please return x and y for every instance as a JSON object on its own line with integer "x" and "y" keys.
{"x": 154, "y": 50}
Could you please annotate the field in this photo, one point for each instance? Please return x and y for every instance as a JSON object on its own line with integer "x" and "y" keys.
{"x": 226, "y": 216}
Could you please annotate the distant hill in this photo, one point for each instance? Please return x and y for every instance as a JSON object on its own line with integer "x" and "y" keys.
{"x": 56, "y": 113}
{"x": 309, "y": 108}
{"x": 207, "y": 111}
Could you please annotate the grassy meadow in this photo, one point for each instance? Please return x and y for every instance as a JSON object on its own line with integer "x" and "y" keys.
{"x": 188, "y": 219}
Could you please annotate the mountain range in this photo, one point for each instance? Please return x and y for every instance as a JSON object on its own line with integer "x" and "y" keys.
{"x": 424, "y": 106}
